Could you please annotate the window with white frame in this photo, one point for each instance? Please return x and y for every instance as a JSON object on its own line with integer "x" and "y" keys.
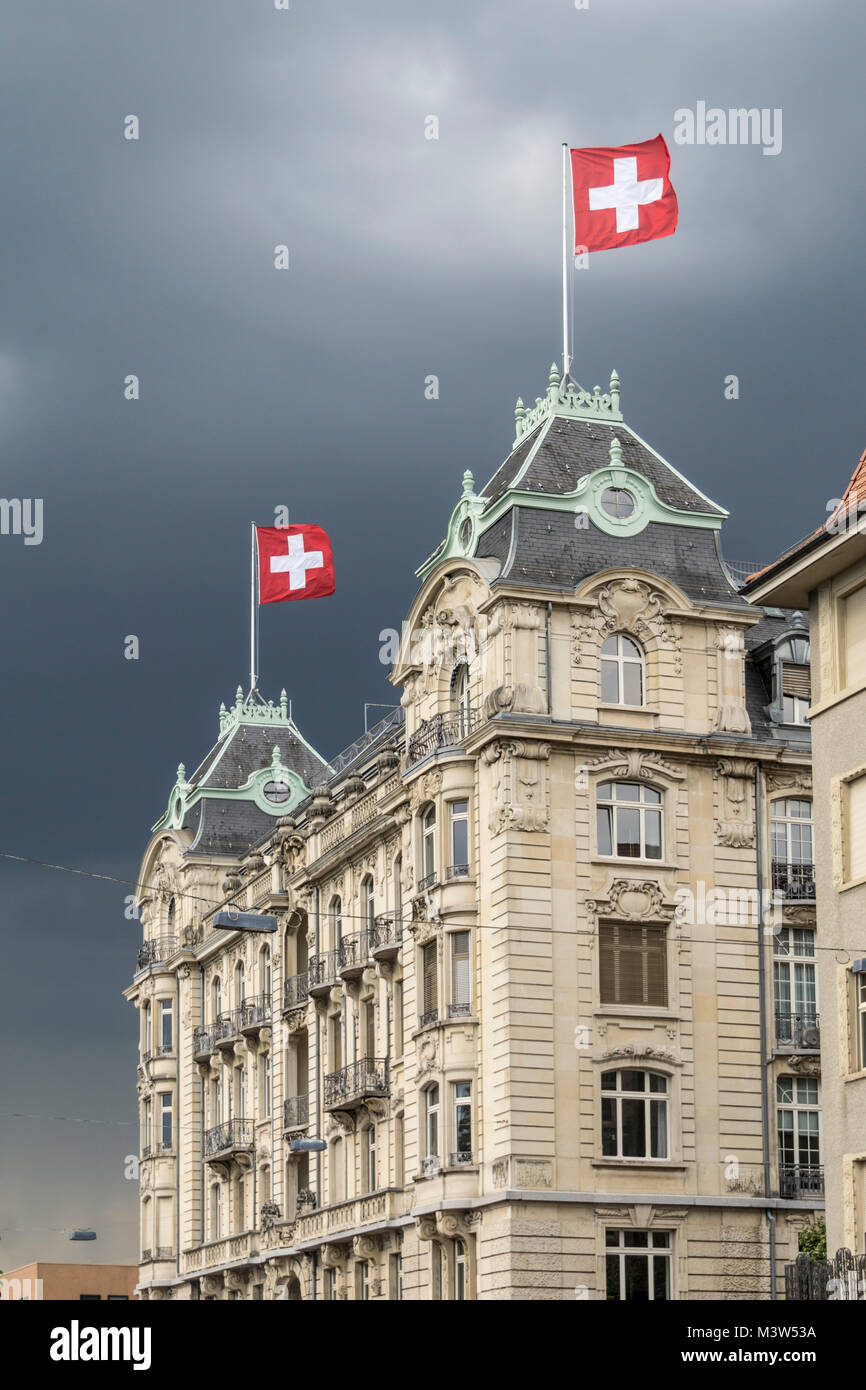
{"x": 368, "y": 908}
{"x": 459, "y": 836}
{"x": 395, "y": 1264}
{"x": 460, "y": 700}
{"x": 147, "y": 1138}
{"x": 791, "y": 832}
{"x": 336, "y": 922}
{"x": 330, "y": 1285}
{"x": 265, "y": 973}
{"x": 634, "y": 1114}
{"x": 460, "y": 1271}
{"x": 166, "y": 1026}
{"x": 362, "y": 1280}
{"x": 795, "y": 990}
{"x": 165, "y": 1121}
{"x": 216, "y": 994}
{"x": 638, "y": 1265}
{"x": 461, "y": 975}
{"x": 431, "y": 1124}
{"x": 428, "y": 848}
{"x": 240, "y": 984}
{"x": 798, "y": 1110}
{"x": 265, "y": 1084}
{"x": 629, "y": 820}
{"x": 240, "y": 1092}
{"x": 146, "y": 1031}
{"x": 622, "y": 671}
{"x": 462, "y": 1097}
{"x": 370, "y": 1158}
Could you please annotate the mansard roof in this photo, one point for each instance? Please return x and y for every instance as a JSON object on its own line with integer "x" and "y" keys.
{"x": 260, "y": 768}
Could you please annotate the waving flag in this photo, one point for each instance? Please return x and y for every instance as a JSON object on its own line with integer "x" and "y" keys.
{"x": 622, "y": 195}
{"x": 294, "y": 562}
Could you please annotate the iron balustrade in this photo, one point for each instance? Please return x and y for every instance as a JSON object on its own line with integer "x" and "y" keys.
{"x": 427, "y": 881}
{"x": 366, "y": 1077}
{"x": 442, "y": 731}
{"x": 202, "y": 1042}
{"x": 795, "y": 881}
{"x": 463, "y": 1159}
{"x": 146, "y": 1256}
{"x": 164, "y": 1252}
{"x": 355, "y": 951}
{"x": 842, "y": 1278}
{"x": 431, "y": 1165}
{"x": 159, "y": 948}
{"x": 387, "y": 933}
{"x": 800, "y": 1180}
{"x": 255, "y": 1011}
{"x": 323, "y": 971}
{"x": 801, "y": 1030}
{"x": 230, "y": 1135}
{"x": 431, "y": 1016}
{"x": 146, "y": 1150}
{"x": 459, "y": 1010}
{"x": 296, "y": 991}
{"x": 296, "y": 1112}
{"x": 457, "y": 871}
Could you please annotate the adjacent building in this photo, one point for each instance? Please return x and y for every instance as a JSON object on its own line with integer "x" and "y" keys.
{"x": 826, "y": 574}
{"x": 544, "y": 982}
{"x": 55, "y": 1283}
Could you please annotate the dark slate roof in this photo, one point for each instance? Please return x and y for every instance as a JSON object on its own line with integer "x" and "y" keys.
{"x": 570, "y": 449}
{"x": 249, "y": 747}
{"x": 770, "y": 625}
{"x": 551, "y": 552}
{"x": 224, "y": 827}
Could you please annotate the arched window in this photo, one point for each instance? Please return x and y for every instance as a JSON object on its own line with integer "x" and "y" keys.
{"x": 460, "y": 700}
{"x": 215, "y": 1212}
{"x": 398, "y": 890}
{"x": 629, "y": 820}
{"x": 216, "y": 993}
{"x": 146, "y": 1031}
{"x": 336, "y": 922}
{"x": 431, "y": 1126}
{"x": 146, "y": 1228}
{"x": 428, "y": 847}
{"x": 240, "y": 984}
{"x": 265, "y": 973}
{"x": 622, "y": 671}
{"x": 368, "y": 901}
{"x": 370, "y": 1174}
{"x": 634, "y": 1114}
{"x": 171, "y": 916}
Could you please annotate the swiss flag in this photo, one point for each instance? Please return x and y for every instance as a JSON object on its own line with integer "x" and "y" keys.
{"x": 294, "y": 562}
{"x": 622, "y": 195}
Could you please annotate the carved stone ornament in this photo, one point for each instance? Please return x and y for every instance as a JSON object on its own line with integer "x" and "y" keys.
{"x": 641, "y": 1052}
{"x": 520, "y": 799}
{"x": 731, "y": 715}
{"x": 637, "y": 900}
{"x": 425, "y": 1226}
{"x": 735, "y": 825}
{"x": 626, "y": 605}
{"x": 637, "y": 764}
{"x": 426, "y": 788}
{"x": 366, "y": 1247}
{"x": 334, "y": 1255}
{"x": 211, "y": 1285}
{"x": 427, "y": 1055}
{"x": 804, "y": 1066}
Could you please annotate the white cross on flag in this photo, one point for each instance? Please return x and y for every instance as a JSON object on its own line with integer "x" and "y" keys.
{"x": 622, "y": 195}
{"x": 294, "y": 562}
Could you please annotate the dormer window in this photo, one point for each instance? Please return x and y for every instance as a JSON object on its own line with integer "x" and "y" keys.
{"x": 617, "y": 502}
{"x": 622, "y": 671}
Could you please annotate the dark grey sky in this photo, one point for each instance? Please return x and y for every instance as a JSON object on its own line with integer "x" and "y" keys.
{"x": 408, "y": 257}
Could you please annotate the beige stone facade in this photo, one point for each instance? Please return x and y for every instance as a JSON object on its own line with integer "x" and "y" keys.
{"x": 828, "y": 574}
{"x": 516, "y": 982}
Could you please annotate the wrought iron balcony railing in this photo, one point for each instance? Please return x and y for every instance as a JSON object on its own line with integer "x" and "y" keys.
{"x": 203, "y": 1042}
{"x": 428, "y": 881}
{"x": 386, "y": 936}
{"x": 459, "y": 1010}
{"x": 354, "y": 954}
{"x": 795, "y": 881}
{"x": 146, "y": 1256}
{"x": 802, "y": 1030}
{"x": 296, "y": 1112}
{"x": 463, "y": 1159}
{"x": 456, "y": 871}
{"x": 229, "y": 1137}
{"x": 323, "y": 973}
{"x": 431, "y": 1016}
{"x": 159, "y": 948}
{"x": 431, "y": 1165}
{"x": 800, "y": 1180}
{"x": 442, "y": 731}
{"x": 352, "y": 1084}
{"x": 841, "y": 1278}
{"x": 254, "y": 1013}
{"x": 226, "y": 1027}
{"x": 296, "y": 992}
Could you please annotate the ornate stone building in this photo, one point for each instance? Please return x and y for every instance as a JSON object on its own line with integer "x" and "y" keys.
{"x": 543, "y": 982}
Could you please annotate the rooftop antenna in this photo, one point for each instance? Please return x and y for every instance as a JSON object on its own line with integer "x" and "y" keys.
{"x": 374, "y": 704}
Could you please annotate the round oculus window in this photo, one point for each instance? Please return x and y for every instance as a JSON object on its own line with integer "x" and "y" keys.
{"x": 465, "y": 536}
{"x": 617, "y": 502}
{"x": 277, "y": 791}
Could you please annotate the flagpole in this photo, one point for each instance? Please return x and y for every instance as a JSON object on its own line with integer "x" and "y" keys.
{"x": 565, "y": 358}
{"x": 252, "y": 606}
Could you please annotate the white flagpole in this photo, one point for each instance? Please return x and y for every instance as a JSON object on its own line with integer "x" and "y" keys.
{"x": 252, "y": 606}
{"x": 566, "y": 362}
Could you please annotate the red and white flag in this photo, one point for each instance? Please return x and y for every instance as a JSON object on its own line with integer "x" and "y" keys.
{"x": 294, "y": 562}
{"x": 622, "y": 194}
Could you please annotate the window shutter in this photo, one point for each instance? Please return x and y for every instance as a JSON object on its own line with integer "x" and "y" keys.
{"x": 632, "y": 964}
{"x": 431, "y": 991}
{"x": 795, "y": 680}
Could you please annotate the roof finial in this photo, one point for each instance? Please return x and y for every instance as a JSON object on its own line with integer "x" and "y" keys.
{"x": 519, "y": 409}
{"x": 553, "y": 380}
{"x": 614, "y": 389}
{"x": 284, "y": 702}
{"x": 181, "y": 772}
{"x": 276, "y": 760}
{"x": 239, "y": 697}
{"x": 615, "y": 453}
{"x": 468, "y": 484}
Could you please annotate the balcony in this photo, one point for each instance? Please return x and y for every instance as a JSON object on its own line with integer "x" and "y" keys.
{"x": 800, "y": 1182}
{"x": 796, "y": 882}
{"x": 463, "y": 1010}
{"x": 296, "y": 992}
{"x": 203, "y": 1044}
{"x": 254, "y": 1014}
{"x": 296, "y": 1113}
{"x": 323, "y": 973}
{"x": 800, "y": 1032}
{"x": 354, "y": 955}
{"x": 431, "y": 1016}
{"x": 228, "y": 1139}
{"x": 387, "y": 934}
{"x": 455, "y": 871}
{"x": 463, "y": 1159}
{"x": 442, "y": 731}
{"x": 226, "y": 1029}
{"x": 159, "y": 948}
{"x": 351, "y": 1086}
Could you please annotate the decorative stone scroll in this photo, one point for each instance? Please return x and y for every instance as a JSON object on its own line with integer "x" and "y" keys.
{"x": 626, "y": 605}
{"x": 735, "y": 824}
{"x": 520, "y": 798}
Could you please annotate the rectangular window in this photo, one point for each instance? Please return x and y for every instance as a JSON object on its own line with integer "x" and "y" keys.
{"x": 362, "y": 1280}
{"x": 330, "y": 1285}
{"x": 399, "y": 1151}
{"x": 265, "y": 1084}
{"x": 429, "y": 982}
{"x": 461, "y": 992}
{"x": 396, "y": 1277}
{"x": 638, "y": 1265}
{"x": 165, "y": 1121}
{"x": 398, "y": 1018}
{"x": 634, "y": 1115}
{"x": 370, "y": 1138}
{"x": 462, "y": 1122}
{"x": 632, "y": 964}
{"x": 148, "y": 1127}
{"x": 459, "y": 838}
{"x": 166, "y": 1025}
{"x": 431, "y": 1096}
{"x": 852, "y": 611}
{"x": 855, "y": 830}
